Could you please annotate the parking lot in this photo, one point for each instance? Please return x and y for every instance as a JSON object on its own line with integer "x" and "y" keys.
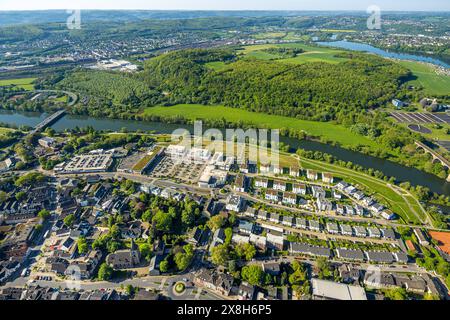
{"x": 187, "y": 172}
{"x": 416, "y": 117}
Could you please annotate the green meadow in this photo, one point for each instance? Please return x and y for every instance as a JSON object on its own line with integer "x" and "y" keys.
{"x": 24, "y": 83}
{"x": 326, "y": 130}
{"x": 427, "y": 78}
{"x": 311, "y": 54}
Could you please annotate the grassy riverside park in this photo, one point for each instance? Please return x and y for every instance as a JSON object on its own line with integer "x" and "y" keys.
{"x": 327, "y": 130}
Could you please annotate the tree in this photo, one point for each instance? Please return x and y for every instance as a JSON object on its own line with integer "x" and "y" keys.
{"x": 430, "y": 296}
{"x": 187, "y": 218}
{"x": 183, "y": 259}
{"x": 299, "y": 274}
{"x": 114, "y": 232}
{"x": 44, "y": 214}
{"x": 162, "y": 221}
{"x": 3, "y": 196}
{"x": 396, "y": 294}
{"x": 253, "y": 274}
{"x": 216, "y": 222}
{"x": 112, "y": 246}
{"x": 82, "y": 245}
{"x": 324, "y": 267}
{"x": 220, "y": 255}
{"x": 130, "y": 290}
{"x": 246, "y": 251}
{"x": 105, "y": 272}
{"x": 164, "y": 266}
{"x": 21, "y": 195}
{"x": 146, "y": 251}
{"x": 69, "y": 220}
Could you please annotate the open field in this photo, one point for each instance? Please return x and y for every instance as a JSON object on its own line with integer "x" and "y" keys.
{"x": 217, "y": 65}
{"x": 311, "y": 54}
{"x": 401, "y": 202}
{"x": 427, "y": 78}
{"x": 337, "y": 30}
{"x": 329, "y": 131}
{"x": 24, "y": 83}
{"x": 269, "y": 35}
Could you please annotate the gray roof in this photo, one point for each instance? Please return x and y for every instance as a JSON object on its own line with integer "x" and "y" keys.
{"x": 350, "y": 254}
{"x": 380, "y": 256}
{"x": 388, "y": 233}
{"x": 304, "y": 248}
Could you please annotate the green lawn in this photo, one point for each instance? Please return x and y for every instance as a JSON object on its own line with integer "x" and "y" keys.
{"x": 329, "y": 131}
{"x": 24, "y": 83}
{"x": 427, "y": 78}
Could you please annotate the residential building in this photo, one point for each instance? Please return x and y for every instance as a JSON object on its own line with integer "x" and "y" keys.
{"x": 272, "y": 195}
{"x": 214, "y": 280}
{"x": 261, "y": 183}
{"x": 312, "y": 175}
{"x": 289, "y": 198}
{"x": 245, "y": 227}
{"x": 299, "y": 189}
{"x": 329, "y": 290}
{"x": 327, "y": 178}
{"x": 421, "y": 237}
{"x": 350, "y": 254}
{"x": 279, "y": 185}
{"x": 332, "y": 228}
{"x": 235, "y": 203}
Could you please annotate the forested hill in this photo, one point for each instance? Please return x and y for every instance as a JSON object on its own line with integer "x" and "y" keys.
{"x": 316, "y": 91}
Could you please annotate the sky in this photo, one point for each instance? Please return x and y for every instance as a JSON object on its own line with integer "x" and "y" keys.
{"x": 360, "y": 5}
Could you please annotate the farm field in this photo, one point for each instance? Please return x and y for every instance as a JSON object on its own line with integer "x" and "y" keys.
{"x": 329, "y": 131}
{"x": 427, "y": 78}
{"x": 24, "y": 83}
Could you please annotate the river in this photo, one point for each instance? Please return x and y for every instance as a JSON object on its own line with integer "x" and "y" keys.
{"x": 402, "y": 173}
{"x": 356, "y": 46}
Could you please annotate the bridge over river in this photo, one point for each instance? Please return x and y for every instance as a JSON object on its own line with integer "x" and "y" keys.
{"x": 436, "y": 157}
{"x": 48, "y": 121}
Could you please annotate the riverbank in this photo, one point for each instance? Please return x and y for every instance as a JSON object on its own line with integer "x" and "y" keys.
{"x": 389, "y": 168}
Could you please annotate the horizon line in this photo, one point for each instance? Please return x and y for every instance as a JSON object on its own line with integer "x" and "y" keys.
{"x": 216, "y": 10}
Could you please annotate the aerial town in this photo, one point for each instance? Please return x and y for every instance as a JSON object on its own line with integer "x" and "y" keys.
{"x": 103, "y": 198}
{"x": 152, "y": 220}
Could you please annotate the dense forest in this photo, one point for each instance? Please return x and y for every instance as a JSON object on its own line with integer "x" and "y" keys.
{"x": 314, "y": 91}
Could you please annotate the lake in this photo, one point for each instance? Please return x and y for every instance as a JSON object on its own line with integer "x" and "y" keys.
{"x": 356, "y": 46}
{"x": 402, "y": 173}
